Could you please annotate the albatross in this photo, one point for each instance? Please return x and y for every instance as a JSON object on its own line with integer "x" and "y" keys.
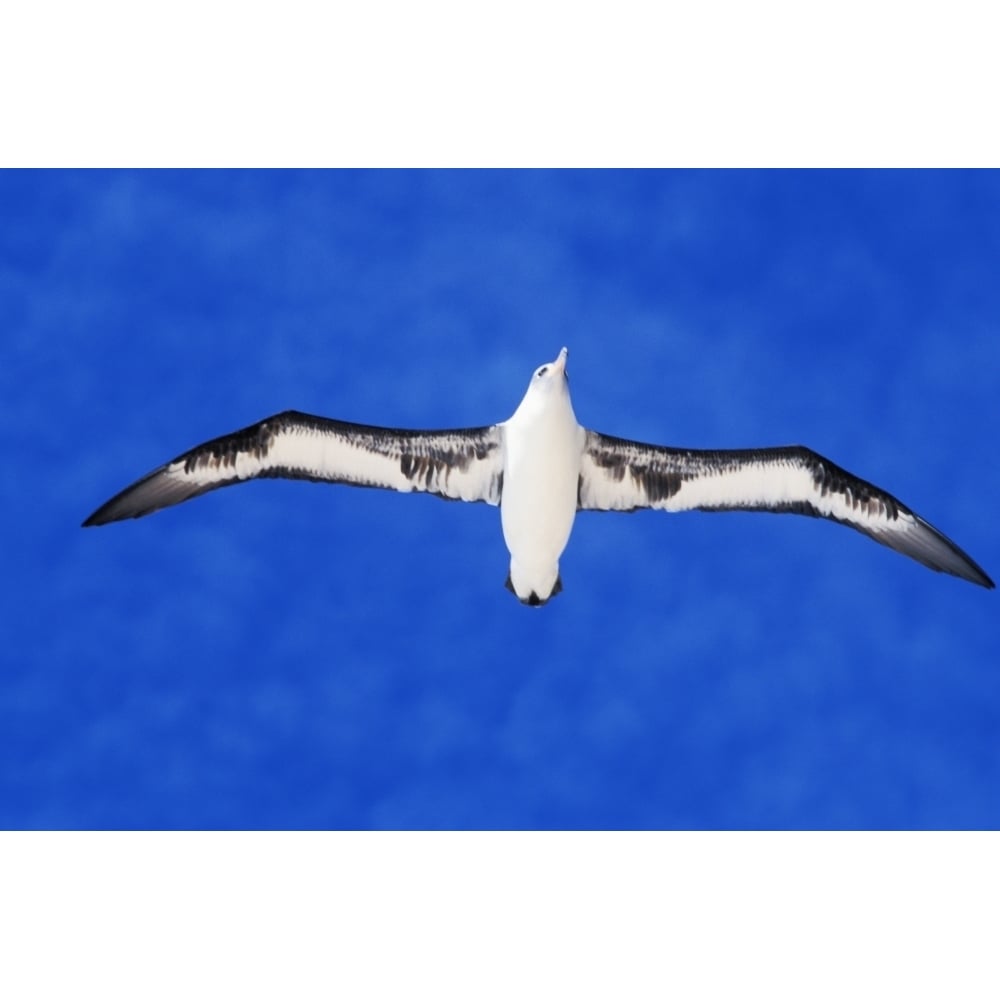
{"x": 541, "y": 467}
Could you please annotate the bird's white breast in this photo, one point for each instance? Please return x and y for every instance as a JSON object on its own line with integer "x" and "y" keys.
{"x": 542, "y": 457}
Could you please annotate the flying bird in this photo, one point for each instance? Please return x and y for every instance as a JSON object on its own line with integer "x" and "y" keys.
{"x": 541, "y": 467}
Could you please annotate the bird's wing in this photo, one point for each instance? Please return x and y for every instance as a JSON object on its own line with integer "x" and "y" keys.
{"x": 457, "y": 465}
{"x": 626, "y": 475}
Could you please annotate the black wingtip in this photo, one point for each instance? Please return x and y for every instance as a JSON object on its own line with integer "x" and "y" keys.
{"x": 118, "y": 508}
{"x": 104, "y": 514}
{"x": 152, "y": 492}
{"x": 936, "y": 550}
{"x": 974, "y": 574}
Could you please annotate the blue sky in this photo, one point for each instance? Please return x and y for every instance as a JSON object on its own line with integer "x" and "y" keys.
{"x": 290, "y": 655}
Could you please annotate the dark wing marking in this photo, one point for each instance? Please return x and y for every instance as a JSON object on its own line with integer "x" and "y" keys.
{"x": 625, "y": 475}
{"x": 457, "y": 465}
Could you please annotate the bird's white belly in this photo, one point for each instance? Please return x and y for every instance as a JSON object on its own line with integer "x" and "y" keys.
{"x": 538, "y": 506}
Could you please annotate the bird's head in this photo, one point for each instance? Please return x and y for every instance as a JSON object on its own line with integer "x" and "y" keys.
{"x": 549, "y": 385}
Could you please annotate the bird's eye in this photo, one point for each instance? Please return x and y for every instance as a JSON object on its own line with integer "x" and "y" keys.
{"x": 541, "y": 371}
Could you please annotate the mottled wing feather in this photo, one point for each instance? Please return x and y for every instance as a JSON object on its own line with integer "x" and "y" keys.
{"x": 625, "y": 475}
{"x": 457, "y": 465}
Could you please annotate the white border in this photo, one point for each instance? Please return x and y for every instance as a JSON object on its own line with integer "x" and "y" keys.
{"x": 542, "y": 83}
{"x": 484, "y": 915}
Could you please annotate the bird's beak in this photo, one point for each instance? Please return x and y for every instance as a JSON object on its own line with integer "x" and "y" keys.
{"x": 560, "y": 362}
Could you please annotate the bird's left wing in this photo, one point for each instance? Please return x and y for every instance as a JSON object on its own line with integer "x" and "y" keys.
{"x": 625, "y": 475}
{"x": 457, "y": 465}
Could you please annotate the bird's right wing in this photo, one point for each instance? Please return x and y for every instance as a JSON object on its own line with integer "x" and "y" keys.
{"x": 626, "y": 475}
{"x": 457, "y": 465}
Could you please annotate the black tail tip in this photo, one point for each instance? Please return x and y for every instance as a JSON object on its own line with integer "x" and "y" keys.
{"x": 533, "y": 600}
